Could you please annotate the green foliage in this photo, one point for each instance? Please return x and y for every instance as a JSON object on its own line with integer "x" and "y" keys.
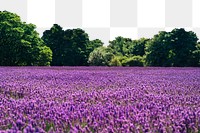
{"x": 196, "y": 56}
{"x": 100, "y": 57}
{"x": 137, "y": 47}
{"x": 115, "y": 61}
{"x": 127, "y": 61}
{"x": 20, "y": 43}
{"x": 44, "y": 56}
{"x": 182, "y": 45}
{"x": 133, "y": 61}
{"x": 128, "y": 52}
{"x": 94, "y": 44}
{"x": 54, "y": 39}
{"x": 157, "y": 50}
{"x": 120, "y": 45}
{"x": 75, "y": 49}
{"x": 49, "y": 126}
{"x": 127, "y": 47}
{"x": 175, "y": 48}
{"x": 70, "y": 47}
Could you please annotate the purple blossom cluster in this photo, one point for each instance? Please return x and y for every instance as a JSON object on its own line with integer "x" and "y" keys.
{"x": 99, "y": 99}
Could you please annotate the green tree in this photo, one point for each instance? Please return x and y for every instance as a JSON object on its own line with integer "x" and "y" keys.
{"x": 173, "y": 48}
{"x": 196, "y": 56}
{"x": 157, "y": 50}
{"x": 182, "y": 45}
{"x": 77, "y": 47}
{"x": 137, "y": 47}
{"x": 93, "y": 44}
{"x": 127, "y": 47}
{"x": 20, "y": 44}
{"x": 101, "y": 56}
{"x": 120, "y": 45}
{"x": 54, "y": 38}
{"x": 70, "y": 47}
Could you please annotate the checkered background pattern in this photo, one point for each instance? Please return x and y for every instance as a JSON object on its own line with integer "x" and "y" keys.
{"x": 107, "y": 19}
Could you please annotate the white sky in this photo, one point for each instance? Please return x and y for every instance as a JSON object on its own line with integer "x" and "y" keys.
{"x": 96, "y": 16}
{"x": 43, "y": 14}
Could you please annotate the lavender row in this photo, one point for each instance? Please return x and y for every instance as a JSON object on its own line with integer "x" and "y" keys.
{"x": 99, "y": 99}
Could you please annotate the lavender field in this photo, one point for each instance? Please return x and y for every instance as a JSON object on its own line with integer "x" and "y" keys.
{"x": 99, "y": 99}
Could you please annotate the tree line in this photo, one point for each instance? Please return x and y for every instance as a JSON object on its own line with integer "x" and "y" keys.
{"x": 20, "y": 45}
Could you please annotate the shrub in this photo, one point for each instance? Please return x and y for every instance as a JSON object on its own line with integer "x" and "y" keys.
{"x": 115, "y": 62}
{"x": 133, "y": 61}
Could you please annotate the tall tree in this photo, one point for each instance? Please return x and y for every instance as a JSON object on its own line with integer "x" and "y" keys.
{"x": 173, "y": 48}
{"x": 20, "y": 44}
{"x": 78, "y": 47}
{"x": 75, "y": 47}
{"x": 70, "y": 47}
{"x": 182, "y": 45}
{"x": 157, "y": 50}
{"x": 54, "y": 38}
